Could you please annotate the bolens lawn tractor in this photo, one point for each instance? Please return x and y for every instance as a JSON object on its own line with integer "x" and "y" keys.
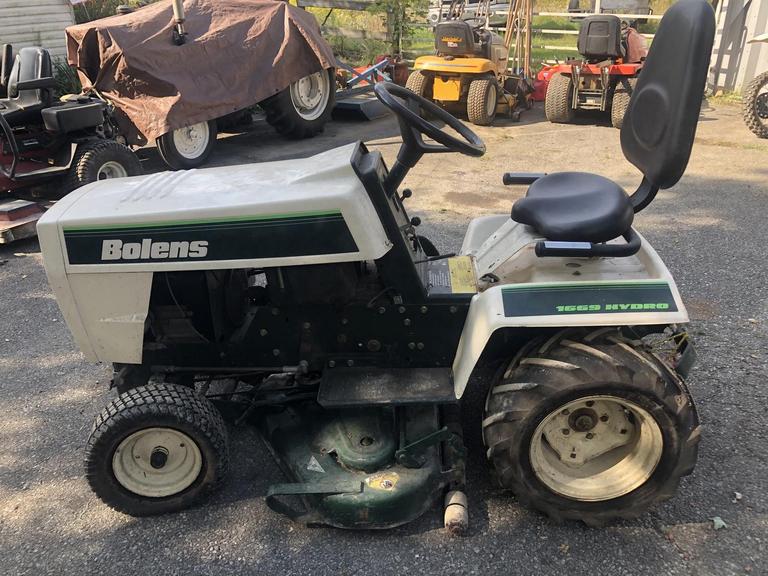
{"x": 44, "y": 140}
{"x": 300, "y": 297}
{"x": 612, "y": 58}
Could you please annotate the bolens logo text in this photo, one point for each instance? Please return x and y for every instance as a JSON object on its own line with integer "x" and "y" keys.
{"x": 149, "y": 250}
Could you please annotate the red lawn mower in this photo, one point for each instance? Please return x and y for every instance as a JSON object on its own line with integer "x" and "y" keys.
{"x": 612, "y": 57}
{"x": 46, "y": 141}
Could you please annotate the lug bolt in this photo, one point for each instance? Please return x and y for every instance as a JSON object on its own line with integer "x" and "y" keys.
{"x": 332, "y": 364}
{"x": 565, "y": 412}
{"x": 623, "y": 431}
{"x": 423, "y": 309}
{"x": 420, "y": 345}
{"x": 573, "y": 455}
{"x": 590, "y": 435}
{"x": 566, "y": 431}
{"x": 590, "y": 403}
{"x": 386, "y": 484}
{"x": 604, "y": 418}
{"x": 411, "y": 345}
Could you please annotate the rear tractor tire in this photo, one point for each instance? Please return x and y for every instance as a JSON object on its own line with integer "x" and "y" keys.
{"x": 155, "y": 449}
{"x": 304, "y": 108}
{"x": 101, "y": 160}
{"x": 557, "y": 103}
{"x": 188, "y": 147}
{"x": 755, "y": 106}
{"x": 622, "y": 94}
{"x": 482, "y": 101}
{"x": 590, "y": 426}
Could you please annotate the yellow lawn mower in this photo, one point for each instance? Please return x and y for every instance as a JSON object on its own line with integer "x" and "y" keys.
{"x": 468, "y": 72}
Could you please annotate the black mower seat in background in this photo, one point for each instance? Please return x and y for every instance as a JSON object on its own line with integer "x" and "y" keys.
{"x": 576, "y": 207}
{"x": 22, "y": 106}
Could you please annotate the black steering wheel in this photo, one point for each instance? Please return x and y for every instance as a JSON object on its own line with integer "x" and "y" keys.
{"x": 413, "y": 126}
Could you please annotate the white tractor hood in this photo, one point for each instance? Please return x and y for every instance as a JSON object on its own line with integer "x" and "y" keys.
{"x": 301, "y": 211}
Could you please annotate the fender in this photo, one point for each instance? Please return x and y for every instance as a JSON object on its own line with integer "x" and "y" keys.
{"x": 612, "y": 300}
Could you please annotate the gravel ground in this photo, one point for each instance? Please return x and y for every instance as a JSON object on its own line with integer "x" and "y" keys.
{"x": 709, "y": 229}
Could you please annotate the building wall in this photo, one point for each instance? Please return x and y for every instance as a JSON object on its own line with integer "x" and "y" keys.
{"x": 36, "y": 23}
{"x": 734, "y": 61}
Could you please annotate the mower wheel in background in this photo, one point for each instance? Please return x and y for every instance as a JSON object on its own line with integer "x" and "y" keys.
{"x": 591, "y": 426}
{"x": 481, "y": 101}
{"x": 155, "y": 449}
{"x": 557, "y": 103}
{"x": 304, "y": 108}
{"x": 755, "y": 106}
{"x": 621, "y": 97}
{"x": 188, "y": 147}
{"x": 420, "y": 84}
{"x": 101, "y": 160}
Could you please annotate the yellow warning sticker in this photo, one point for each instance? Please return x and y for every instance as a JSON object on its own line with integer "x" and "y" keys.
{"x": 462, "y": 275}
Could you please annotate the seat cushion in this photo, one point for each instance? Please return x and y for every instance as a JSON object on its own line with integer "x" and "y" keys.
{"x": 576, "y": 207}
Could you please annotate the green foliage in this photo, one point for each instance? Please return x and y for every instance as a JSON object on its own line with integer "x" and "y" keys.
{"x": 67, "y": 81}
{"x": 97, "y": 9}
{"x": 401, "y": 17}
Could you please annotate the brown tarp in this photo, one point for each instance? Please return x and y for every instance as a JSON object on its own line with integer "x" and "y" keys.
{"x": 237, "y": 53}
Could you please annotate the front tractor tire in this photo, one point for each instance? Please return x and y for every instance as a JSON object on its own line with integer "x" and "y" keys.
{"x": 558, "y": 101}
{"x": 101, "y": 160}
{"x": 188, "y": 147}
{"x": 755, "y": 106}
{"x": 622, "y": 94}
{"x": 155, "y": 449}
{"x": 482, "y": 100}
{"x": 591, "y": 427}
{"x": 304, "y": 108}
{"x": 420, "y": 84}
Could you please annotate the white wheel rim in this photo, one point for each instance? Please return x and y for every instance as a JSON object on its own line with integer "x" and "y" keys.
{"x": 110, "y": 170}
{"x": 310, "y": 95}
{"x": 596, "y": 448}
{"x": 490, "y": 101}
{"x": 157, "y": 462}
{"x": 191, "y": 141}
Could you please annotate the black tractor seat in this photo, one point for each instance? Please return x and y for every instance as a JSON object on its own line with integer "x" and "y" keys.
{"x": 24, "y": 106}
{"x": 575, "y": 207}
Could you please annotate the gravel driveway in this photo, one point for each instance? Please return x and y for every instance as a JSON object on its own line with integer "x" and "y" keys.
{"x": 711, "y": 231}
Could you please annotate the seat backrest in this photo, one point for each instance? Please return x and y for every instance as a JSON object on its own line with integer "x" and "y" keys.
{"x": 31, "y": 63}
{"x": 600, "y": 37}
{"x": 660, "y": 123}
{"x": 455, "y": 38}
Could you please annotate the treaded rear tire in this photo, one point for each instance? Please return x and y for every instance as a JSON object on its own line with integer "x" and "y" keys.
{"x": 621, "y": 96}
{"x": 285, "y": 119}
{"x": 477, "y": 101}
{"x": 91, "y": 156}
{"x": 749, "y": 106}
{"x": 557, "y": 102}
{"x": 151, "y": 406}
{"x": 555, "y": 372}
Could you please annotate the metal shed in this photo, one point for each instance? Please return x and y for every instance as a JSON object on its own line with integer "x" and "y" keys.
{"x": 36, "y": 23}
{"x": 735, "y": 62}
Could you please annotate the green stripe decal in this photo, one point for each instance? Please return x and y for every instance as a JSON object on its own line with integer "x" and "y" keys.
{"x": 609, "y": 297}
{"x": 211, "y": 221}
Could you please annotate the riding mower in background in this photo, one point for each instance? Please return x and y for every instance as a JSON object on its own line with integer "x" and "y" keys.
{"x": 755, "y": 100}
{"x": 301, "y": 298}
{"x": 49, "y": 147}
{"x": 604, "y": 79}
{"x": 469, "y": 72}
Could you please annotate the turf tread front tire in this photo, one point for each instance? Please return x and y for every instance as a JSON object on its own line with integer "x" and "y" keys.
{"x": 420, "y": 84}
{"x": 749, "y": 106}
{"x": 156, "y": 405}
{"x": 477, "y": 101}
{"x": 557, "y": 102}
{"x": 92, "y": 155}
{"x": 573, "y": 365}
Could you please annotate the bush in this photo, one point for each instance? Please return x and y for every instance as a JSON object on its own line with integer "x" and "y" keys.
{"x": 67, "y": 81}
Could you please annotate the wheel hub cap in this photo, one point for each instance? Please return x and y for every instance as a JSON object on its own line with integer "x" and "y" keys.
{"x": 761, "y": 104}
{"x": 191, "y": 141}
{"x": 157, "y": 462}
{"x": 309, "y": 95}
{"x": 596, "y": 448}
{"x": 110, "y": 170}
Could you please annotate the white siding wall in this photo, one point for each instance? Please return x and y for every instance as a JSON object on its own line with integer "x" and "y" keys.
{"x": 36, "y": 23}
{"x": 734, "y": 61}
